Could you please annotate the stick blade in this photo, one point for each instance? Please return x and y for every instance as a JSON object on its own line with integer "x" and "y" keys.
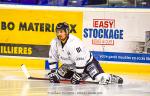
{"x": 25, "y": 71}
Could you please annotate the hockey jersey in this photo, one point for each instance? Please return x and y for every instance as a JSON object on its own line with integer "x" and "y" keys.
{"x": 73, "y": 52}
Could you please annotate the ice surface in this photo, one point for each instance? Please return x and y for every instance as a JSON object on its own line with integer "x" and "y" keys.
{"x": 14, "y": 83}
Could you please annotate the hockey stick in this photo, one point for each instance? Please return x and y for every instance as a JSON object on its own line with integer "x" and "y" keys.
{"x": 25, "y": 71}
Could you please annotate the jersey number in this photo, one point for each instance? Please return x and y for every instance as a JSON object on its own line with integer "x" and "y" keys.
{"x": 78, "y": 49}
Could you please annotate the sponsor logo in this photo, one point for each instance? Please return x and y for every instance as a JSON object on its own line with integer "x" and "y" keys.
{"x": 33, "y": 26}
{"x": 103, "y": 32}
{"x": 29, "y": 50}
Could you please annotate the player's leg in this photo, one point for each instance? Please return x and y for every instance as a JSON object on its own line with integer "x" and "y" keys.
{"x": 95, "y": 71}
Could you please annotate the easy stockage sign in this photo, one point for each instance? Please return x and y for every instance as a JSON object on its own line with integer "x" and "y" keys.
{"x": 119, "y": 35}
{"x": 28, "y": 32}
{"x": 103, "y": 32}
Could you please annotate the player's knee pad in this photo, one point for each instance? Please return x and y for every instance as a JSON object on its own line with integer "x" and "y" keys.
{"x": 93, "y": 69}
{"x": 103, "y": 78}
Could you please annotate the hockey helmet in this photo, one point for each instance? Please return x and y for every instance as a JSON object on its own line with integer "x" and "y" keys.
{"x": 63, "y": 26}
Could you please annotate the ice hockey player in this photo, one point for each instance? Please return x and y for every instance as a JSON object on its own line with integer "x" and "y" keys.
{"x": 78, "y": 63}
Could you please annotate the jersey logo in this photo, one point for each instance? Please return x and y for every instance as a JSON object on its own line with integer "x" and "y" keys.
{"x": 78, "y": 49}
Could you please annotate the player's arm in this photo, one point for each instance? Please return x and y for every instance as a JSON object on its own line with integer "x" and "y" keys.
{"x": 53, "y": 56}
{"x": 53, "y": 63}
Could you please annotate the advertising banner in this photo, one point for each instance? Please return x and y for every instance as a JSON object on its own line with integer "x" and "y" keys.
{"x": 122, "y": 36}
{"x": 26, "y": 32}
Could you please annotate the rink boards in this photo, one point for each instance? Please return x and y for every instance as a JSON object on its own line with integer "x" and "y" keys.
{"x": 112, "y": 67}
{"x": 119, "y": 42}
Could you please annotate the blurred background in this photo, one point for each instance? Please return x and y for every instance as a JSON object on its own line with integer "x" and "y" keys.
{"x": 82, "y": 3}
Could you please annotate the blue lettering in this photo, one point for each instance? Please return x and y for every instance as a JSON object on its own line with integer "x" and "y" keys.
{"x": 116, "y": 34}
{"x": 85, "y": 33}
{"x": 105, "y": 33}
{"x": 101, "y": 33}
{"x": 121, "y": 34}
{"x": 111, "y": 36}
{"x": 90, "y": 33}
{"x": 95, "y": 32}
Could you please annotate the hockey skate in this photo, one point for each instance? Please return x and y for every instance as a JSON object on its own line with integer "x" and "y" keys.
{"x": 116, "y": 79}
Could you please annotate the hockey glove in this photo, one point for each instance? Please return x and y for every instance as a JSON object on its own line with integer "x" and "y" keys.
{"x": 53, "y": 76}
{"x": 76, "y": 78}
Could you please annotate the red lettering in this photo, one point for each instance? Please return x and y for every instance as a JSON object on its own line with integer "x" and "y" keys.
{"x": 104, "y": 23}
{"x": 101, "y": 24}
{"x": 95, "y": 24}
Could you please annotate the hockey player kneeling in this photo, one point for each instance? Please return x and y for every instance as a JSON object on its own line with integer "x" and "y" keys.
{"x": 77, "y": 62}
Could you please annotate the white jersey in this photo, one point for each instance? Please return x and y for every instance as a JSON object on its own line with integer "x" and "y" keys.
{"x": 73, "y": 52}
